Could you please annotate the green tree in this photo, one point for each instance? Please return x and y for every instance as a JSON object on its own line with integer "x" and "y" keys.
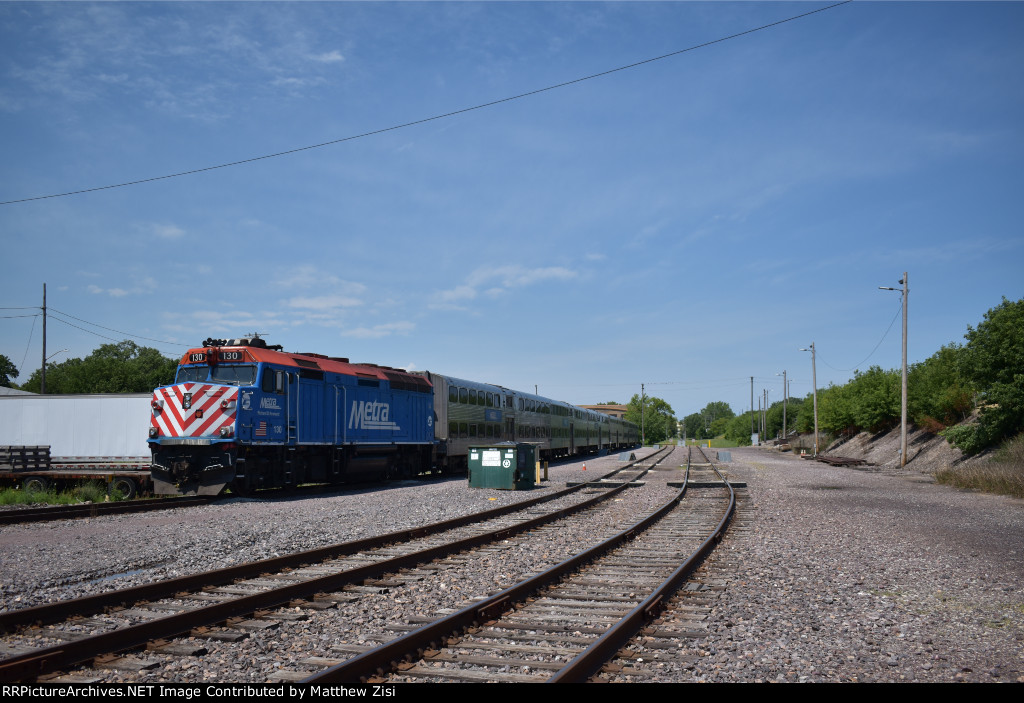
{"x": 938, "y": 390}
{"x": 8, "y": 372}
{"x": 836, "y": 410}
{"x": 124, "y": 367}
{"x": 875, "y": 398}
{"x": 659, "y": 420}
{"x": 702, "y": 425}
{"x": 994, "y": 364}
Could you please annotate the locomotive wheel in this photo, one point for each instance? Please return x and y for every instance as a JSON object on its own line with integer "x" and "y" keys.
{"x": 125, "y": 486}
{"x": 240, "y": 488}
{"x": 35, "y": 484}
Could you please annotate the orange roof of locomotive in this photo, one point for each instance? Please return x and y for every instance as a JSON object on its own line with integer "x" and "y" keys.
{"x": 308, "y": 361}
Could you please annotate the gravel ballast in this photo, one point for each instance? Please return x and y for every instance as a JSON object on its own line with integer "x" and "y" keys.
{"x": 844, "y": 574}
{"x": 856, "y": 575}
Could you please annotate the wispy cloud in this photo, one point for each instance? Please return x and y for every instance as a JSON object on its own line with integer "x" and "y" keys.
{"x": 310, "y": 276}
{"x": 324, "y": 302}
{"x": 495, "y": 282}
{"x": 378, "y": 331}
{"x": 166, "y": 231}
{"x": 329, "y": 57}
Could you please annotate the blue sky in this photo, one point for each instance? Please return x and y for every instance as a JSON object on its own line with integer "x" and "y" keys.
{"x": 686, "y": 224}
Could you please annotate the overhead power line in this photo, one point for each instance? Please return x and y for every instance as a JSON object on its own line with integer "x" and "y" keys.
{"x": 435, "y": 117}
{"x": 111, "y": 329}
{"x": 861, "y": 362}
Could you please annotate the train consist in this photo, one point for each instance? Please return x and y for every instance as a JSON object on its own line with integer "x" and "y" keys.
{"x": 248, "y": 415}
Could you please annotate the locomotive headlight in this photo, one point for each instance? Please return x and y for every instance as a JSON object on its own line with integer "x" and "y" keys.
{"x": 153, "y": 432}
{"x": 227, "y": 405}
{"x": 226, "y": 432}
{"x": 158, "y": 405}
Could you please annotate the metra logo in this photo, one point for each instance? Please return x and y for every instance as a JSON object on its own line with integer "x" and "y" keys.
{"x": 371, "y": 415}
{"x": 269, "y": 403}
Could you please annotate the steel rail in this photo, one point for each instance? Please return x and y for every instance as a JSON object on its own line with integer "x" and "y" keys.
{"x": 70, "y": 512}
{"x": 381, "y": 659}
{"x": 42, "y": 661}
{"x": 589, "y": 661}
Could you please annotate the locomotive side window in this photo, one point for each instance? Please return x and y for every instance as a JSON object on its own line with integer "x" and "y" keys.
{"x": 268, "y": 382}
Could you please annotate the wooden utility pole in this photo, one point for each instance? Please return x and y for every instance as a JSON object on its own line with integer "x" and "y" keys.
{"x": 814, "y": 382}
{"x": 903, "y": 428}
{"x": 42, "y": 373}
{"x": 903, "y": 399}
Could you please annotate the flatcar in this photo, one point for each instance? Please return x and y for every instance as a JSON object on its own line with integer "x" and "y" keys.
{"x": 244, "y": 414}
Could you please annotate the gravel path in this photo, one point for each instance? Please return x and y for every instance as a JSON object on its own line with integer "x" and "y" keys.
{"x": 858, "y": 576}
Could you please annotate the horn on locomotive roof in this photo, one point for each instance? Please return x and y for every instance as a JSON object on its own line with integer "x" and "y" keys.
{"x": 254, "y": 341}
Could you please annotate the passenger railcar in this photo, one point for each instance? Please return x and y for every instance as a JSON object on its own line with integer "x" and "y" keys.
{"x": 248, "y": 415}
{"x": 471, "y": 413}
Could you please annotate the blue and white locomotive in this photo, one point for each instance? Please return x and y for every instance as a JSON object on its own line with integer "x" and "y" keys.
{"x": 248, "y": 415}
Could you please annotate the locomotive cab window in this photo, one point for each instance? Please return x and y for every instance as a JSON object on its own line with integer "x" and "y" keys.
{"x": 192, "y": 374}
{"x": 234, "y": 375}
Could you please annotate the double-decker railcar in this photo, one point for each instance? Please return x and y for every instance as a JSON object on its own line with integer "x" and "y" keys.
{"x": 248, "y": 415}
{"x": 471, "y": 413}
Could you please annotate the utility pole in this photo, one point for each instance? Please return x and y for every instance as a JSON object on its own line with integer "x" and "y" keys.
{"x": 42, "y": 373}
{"x": 643, "y": 434}
{"x": 814, "y": 382}
{"x": 751, "y": 408}
{"x": 785, "y": 400}
{"x": 903, "y": 429}
{"x": 903, "y": 400}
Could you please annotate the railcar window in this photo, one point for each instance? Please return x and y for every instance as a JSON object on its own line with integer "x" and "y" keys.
{"x": 453, "y": 394}
{"x": 490, "y": 400}
{"x": 234, "y": 375}
{"x": 453, "y": 429}
{"x": 520, "y": 403}
{"x": 463, "y": 430}
{"x": 463, "y": 395}
{"x": 472, "y": 397}
{"x": 192, "y": 374}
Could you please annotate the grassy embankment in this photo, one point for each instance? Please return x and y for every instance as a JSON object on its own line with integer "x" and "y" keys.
{"x": 1003, "y": 473}
{"x": 91, "y": 492}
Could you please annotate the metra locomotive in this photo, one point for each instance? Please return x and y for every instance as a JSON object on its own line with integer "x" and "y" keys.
{"x": 248, "y": 415}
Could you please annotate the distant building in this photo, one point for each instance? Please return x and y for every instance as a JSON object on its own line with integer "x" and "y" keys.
{"x": 4, "y": 390}
{"x": 613, "y": 410}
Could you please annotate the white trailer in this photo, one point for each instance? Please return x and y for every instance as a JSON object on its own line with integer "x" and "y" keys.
{"x": 90, "y": 437}
{"x": 79, "y": 426}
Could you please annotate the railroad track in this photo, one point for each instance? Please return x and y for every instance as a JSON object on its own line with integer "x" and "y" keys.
{"x": 565, "y": 623}
{"x": 222, "y": 605}
{"x": 71, "y": 512}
